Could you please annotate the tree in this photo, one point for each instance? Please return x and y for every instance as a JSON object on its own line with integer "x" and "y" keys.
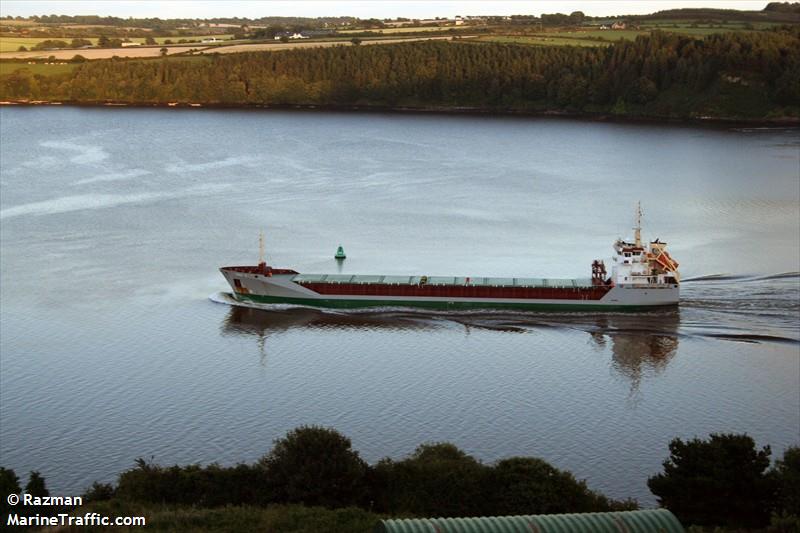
{"x": 103, "y": 41}
{"x": 313, "y": 465}
{"x": 9, "y": 484}
{"x": 36, "y": 486}
{"x": 149, "y": 40}
{"x": 78, "y": 43}
{"x": 715, "y": 482}
{"x": 284, "y": 38}
{"x": 528, "y": 485}
{"x": 99, "y": 492}
{"x": 356, "y": 41}
{"x": 49, "y": 44}
{"x": 164, "y": 51}
{"x": 576, "y": 17}
{"x": 77, "y": 58}
{"x": 787, "y": 479}
{"x": 438, "y": 479}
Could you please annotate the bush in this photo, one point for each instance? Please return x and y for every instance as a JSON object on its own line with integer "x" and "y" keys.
{"x": 99, "y": 492}
{"x": 527, "y": 485}
{"x": 77, "y": 43}
{"x": 720, "y": 481}
{"x": 436, "y": 480}
{"x": 36, "y": 486}
{"x": 315, "y": 466}
{"x": 9, "y": 484}
{"x": 786, "y": 475}
{"x": 49, "y": 44}
{"x": 208, "y": 486}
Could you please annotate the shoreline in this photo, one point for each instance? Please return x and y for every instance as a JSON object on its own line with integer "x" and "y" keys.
{"x": 791, "y": 122}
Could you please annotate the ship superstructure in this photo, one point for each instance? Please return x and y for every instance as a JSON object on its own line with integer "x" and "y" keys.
{"x": 642, "y": 276}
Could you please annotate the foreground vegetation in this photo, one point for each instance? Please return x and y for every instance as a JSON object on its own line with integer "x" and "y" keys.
{"x": 312, "y": 480}
{"x": 731, "y": 76}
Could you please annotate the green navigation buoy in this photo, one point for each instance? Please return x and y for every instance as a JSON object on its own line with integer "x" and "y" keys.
{"x": 340, "y": 253}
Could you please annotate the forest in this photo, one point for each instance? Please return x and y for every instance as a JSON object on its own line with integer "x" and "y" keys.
{"x": 737, "y": 75}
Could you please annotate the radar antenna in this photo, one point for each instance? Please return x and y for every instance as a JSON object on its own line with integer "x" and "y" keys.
{"x": 638, "y": 228}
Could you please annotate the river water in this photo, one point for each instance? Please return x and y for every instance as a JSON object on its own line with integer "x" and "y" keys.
{"x": 118, "y": 340}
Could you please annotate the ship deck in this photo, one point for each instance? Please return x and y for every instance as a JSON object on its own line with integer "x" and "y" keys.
{"x": 453, "y": 281}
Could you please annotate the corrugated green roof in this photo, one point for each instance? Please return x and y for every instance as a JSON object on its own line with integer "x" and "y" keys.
{"x": 647, "y": 521}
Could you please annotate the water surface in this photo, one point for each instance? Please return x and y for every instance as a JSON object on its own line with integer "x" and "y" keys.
{"x": 118, "y": 341}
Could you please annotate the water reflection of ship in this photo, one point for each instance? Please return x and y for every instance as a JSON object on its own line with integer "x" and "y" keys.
{"x": 641, "y": 346}
{"x": 263, "y": 323}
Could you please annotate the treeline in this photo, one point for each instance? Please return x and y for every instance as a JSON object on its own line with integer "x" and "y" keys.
{"x": 773, "y": 12}
{"x": 159, "y": 23}
{"x": 317, "y": 466}
{"x": 745, "y": 74}
{"x": 722, "y": 481}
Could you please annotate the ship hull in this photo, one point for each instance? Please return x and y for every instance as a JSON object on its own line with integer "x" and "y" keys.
{"x": 440, "y": 305}
{"x": 283, "y": 289}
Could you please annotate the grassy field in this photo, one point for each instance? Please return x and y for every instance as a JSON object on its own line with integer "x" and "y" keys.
{"x": 7, "y": 67}
{"x": 411, "y": 29}
{"x": 598, "y": 35}
{"x": 12, "y": 44}
{"x": 543, "y": 40}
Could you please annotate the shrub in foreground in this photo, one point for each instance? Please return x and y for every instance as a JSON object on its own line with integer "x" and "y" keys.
{"x": 527, "y": 485}
{"x": 436, "y": 480}
{"x": 208, "y": 486}
{"x": 786, "y": 476}
{"x": 720, "y": 481}
{"x": 315, "y": 466}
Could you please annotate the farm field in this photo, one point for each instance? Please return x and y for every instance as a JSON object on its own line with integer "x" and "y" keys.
{"x": 700, "y": 31}
{"x": 12, "y": 44}
{"x": 599, "y": 35}
{"x": 100, "y": 53}
{"x": 542, "y": 40}
{"x": 410, "y": 29}
{"x": 7, "y": 67}
{"x": 155, "y": 51}
{"x": 237, "y": 48}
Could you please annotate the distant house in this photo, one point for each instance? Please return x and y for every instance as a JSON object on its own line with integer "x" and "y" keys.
{"x": 210, "y": 40}
{"x": 619, "y": 25}
{"x": 459, "y": 20}
{"x": 125, "y": 45}
{"x": 290, "y": 35}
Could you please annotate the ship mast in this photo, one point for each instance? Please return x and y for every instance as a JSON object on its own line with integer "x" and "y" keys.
{"x": 638, "y": 228}
{"x": 261, "y": 260}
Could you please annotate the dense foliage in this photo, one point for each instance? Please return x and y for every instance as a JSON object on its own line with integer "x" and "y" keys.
{"x": 745, "y": 74}
{"x": 316, "y": 466}
{"x": 722, "y": 481}
{"x": 786, "y": 476}
{"x": 719, "y": 481}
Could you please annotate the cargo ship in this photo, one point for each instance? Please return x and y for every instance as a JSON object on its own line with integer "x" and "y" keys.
{"x": 643, "y": 276}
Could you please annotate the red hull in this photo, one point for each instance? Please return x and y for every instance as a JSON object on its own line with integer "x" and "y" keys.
{"x": 456, "y": 291}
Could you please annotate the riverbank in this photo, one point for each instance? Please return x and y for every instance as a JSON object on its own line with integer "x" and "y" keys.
{"x": 727, "y": 122}
{"x": 619, "y": 82}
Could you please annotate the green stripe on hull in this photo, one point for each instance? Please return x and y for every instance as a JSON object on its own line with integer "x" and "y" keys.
{"x": 440, "y": 305}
